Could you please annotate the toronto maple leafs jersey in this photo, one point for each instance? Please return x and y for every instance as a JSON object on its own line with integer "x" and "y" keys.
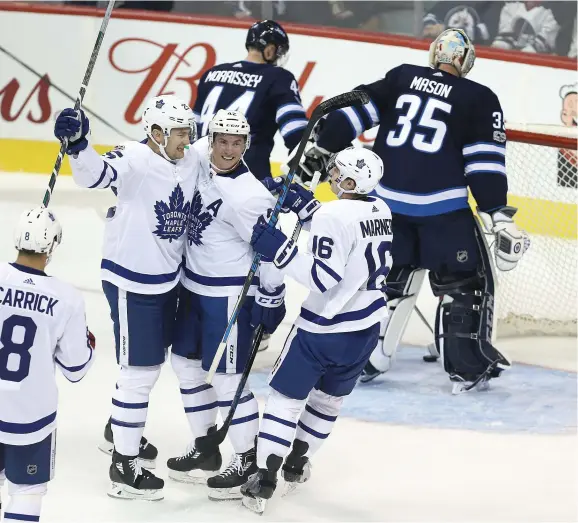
{"x": 144, "y": 240}
{"x": 439, "y": 134}
{"x": 345, "y": 266}
{"x": 267, "y": 95}
{"x": 42, "y": 324}
{"x": 224, "y": 210}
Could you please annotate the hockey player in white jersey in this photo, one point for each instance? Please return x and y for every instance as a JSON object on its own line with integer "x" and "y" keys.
{"x": 226, "y": 206}
{"x": 42, "y": 326}
{"x": 345, "y": 268}
{"x": 141, "y": 267}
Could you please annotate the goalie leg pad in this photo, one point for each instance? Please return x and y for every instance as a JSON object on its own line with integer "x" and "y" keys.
{"x": 404, "y": 284}
{"x": 465, "y": 348}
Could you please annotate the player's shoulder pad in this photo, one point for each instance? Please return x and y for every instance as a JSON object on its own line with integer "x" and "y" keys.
{"x": 68, "y": 292}
{"x": 131, "y": 149}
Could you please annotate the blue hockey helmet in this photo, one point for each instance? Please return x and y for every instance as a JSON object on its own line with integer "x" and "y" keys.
{"x": 266, "y": 32}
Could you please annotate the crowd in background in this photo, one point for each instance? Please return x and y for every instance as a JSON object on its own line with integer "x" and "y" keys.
{"x": 533, "y": 27}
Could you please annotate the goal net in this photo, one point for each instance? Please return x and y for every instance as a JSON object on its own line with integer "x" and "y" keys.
{"x": 540, "y": 295}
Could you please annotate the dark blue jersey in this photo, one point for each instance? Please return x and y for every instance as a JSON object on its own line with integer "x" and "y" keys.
{"x": 267, "y": 95}
{"x": 439, "y": 134}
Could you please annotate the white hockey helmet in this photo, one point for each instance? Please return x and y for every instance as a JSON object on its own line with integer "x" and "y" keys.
{"x": 38, "y": 231}
{"x": 363, "y": 166}
{"x": 230, "y": 122}
{"x": 455, "y": 48}
{"x": 168, "y": 112}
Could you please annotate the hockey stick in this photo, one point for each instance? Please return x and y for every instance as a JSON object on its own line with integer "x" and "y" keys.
{"x": 78, "y": 103}
{"x": 324, "y": 108}
{"x": 211, "y": 442}
{"x": 62, "y": 92}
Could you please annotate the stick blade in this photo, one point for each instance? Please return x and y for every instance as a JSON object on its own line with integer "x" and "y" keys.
{"x": 342, "y": 100}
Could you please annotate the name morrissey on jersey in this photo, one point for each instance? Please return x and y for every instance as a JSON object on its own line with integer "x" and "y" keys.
{"x": 430, "y": 86}
{"x": 375, "y": 227}
{"x": 27, "y": 300}
{"x": 234, "y": 78}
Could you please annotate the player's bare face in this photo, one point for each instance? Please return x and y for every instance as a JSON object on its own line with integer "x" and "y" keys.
{"x": 178, "y": 140}
{"x": 227, "y": 151}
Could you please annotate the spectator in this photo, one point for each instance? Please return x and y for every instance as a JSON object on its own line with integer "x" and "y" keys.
{"x": 527, "y": 26}
{"x": 572, "y": 50}
{"x": 478, "y": 19}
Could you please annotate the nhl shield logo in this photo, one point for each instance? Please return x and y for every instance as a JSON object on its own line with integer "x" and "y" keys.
{"x": 517, "y": 248}
{"x": 31, "y": 469}
{"x": 462, "y": 256}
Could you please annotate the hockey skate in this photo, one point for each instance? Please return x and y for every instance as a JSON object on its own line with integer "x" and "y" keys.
{"x": 130, "y": 481}
{"x": 195, "y": 466}
{"x": 261, "y": 485}
{"x": 297, "y": 468}
{"x": 460, "y": 385}
{"x": 369, "y": 373}
{"x": 147, "y": 452}
{"x": 227, "y": 484}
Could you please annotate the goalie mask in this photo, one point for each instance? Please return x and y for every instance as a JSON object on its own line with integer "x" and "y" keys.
{"x": 168, "y": 112}
{"x": 453, "y": 47}
{"x": 363, "y": 166}
{"x": 38, "y": 231}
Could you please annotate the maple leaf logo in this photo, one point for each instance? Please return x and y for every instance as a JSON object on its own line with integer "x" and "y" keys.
{"x": 198, "y": 221}
{"x": 172, "y": 217}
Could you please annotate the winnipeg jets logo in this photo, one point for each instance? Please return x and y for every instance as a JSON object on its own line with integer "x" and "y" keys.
{"x": 361, "y": 164}
{"x": 172, "y": 218}
{"x": 159, "y": 104}
{"x": 198, "y": 221}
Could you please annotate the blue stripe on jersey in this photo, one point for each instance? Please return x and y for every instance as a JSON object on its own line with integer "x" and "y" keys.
{"x": 287, "y": 109}
{"x": 125, "y": 405}
{"x": 372, "y": 112}
{"x": 247, "y": 398}
{"x": 344, "y": 316}
{"x": 320, "y": 415}
{"x": 412, "y": 204}
{"x": 207, "y": 406}
{"x": 328, "y": 270}
{"x": 218, "y": 281}
{"x": 26, "y": 428}
{"x": 275, "y": 439}
{"x": 485, "y": 167}
{"x": 127, "y": 424}
{"x": 78, "y": 367}
{"x": 354, "y": 120}
{"x": 318, "y": 435}
{"x": 315, "y": 278}
{"x": 292, "y": 126}
{"x": 20, "y": 517}
{"x": 138, "y": 277}
{"x": 483, "y": 147}
{"x": 195, "y": 390}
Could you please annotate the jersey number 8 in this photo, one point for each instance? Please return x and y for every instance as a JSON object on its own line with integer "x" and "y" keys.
{"x": 15, "y": 355}
{"x": 399, "y": 136}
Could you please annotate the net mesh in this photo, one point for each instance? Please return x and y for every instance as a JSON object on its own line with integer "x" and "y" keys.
{"x": 540, "y": 296}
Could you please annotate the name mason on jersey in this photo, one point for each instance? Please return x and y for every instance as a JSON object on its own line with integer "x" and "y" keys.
{"x": 235, "y": 78}
{"x": 430, "y": 86}
{"x": 27, "y": 300}
{"x": 375, "y": 227}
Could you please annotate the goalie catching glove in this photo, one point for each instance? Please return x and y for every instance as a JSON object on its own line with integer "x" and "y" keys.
{"x": 509, "y": 243}
{"x": 314, "y": 158}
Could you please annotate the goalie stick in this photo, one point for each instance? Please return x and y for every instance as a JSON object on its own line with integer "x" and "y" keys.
{"x": 324, "y": 108}
{"x": 78, "y": 103}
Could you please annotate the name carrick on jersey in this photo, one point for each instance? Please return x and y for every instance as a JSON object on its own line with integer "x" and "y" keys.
{"x": 345, "y": 266}
{"x": 267, "y": 95}
{"x": 439, "y": 134}
{"x": 42, "y": 324}
{"x": 144, "y": 239}
{"x": 223, "y": 212}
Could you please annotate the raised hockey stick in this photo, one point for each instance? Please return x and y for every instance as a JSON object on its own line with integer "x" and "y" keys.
{"x": 78, "y": 103}
{"x": 63, "y": 92}
{"x": 324, "y": 108}
{"x": 210, "y": 442}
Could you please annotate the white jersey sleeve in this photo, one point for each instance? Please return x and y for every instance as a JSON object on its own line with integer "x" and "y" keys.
{"x": 93, "y": 171}
{"x": 73, "y": 354}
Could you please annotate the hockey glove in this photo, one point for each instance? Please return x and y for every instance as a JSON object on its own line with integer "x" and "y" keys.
{"x": 273, "y": 245}
{"x": 268, "y": 309}
{"x": 510, "y": 243}
{"x": 315, "y": 158}
{"x": 74, "y": 126}
{"x": 298, "y": 200}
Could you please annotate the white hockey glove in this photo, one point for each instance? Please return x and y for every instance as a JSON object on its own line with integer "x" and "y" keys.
{"x": 314, "y": 158}
{"x": 510, "y": 243}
